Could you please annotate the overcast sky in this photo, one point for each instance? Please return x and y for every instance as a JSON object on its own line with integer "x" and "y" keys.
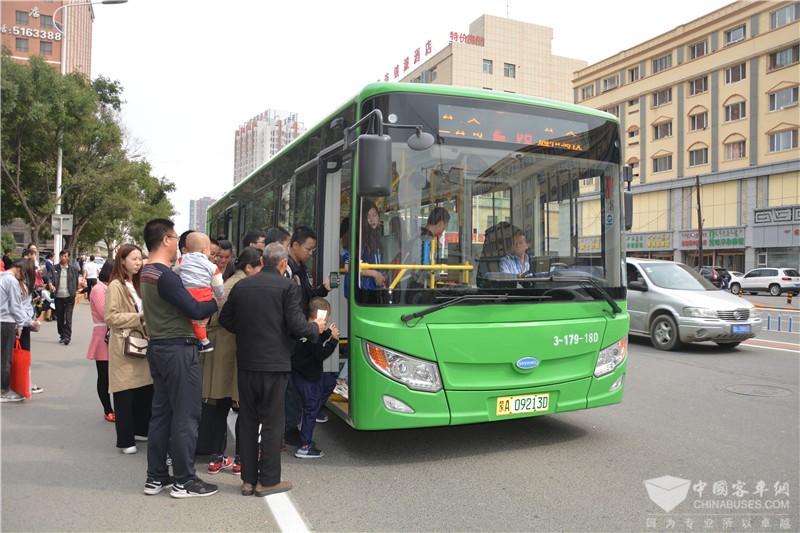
{"x": 193, "y": 72}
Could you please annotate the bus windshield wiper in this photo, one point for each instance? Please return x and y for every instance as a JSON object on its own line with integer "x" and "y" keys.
{"x": 454, "y": 301}
{"x": 583, "y": 281}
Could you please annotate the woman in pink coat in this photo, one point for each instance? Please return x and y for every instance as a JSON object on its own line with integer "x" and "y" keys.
{"x": 98, "y": 345}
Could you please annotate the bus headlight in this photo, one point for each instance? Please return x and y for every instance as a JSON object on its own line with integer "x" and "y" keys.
{"x": 416, "y": 374}
{"x": 611, "y": 357}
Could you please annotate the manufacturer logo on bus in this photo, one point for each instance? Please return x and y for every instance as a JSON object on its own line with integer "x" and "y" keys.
{"x": 527, "y": 363}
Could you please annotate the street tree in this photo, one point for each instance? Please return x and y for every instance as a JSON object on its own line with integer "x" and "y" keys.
{"x": 102, "y": 186}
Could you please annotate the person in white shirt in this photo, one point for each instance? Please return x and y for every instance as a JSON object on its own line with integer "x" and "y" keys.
{"x": 90, "y": 272}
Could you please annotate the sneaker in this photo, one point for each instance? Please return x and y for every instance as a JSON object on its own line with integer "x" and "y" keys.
{"x": 154, "y": 486}
{"x": 321, "y": 419}
{"x": 129, "y": 451}
{"x": 10, "y": 396}
{"x": 140, "y": 438}
{"x": 111, "y": 417}
{"x": 219, "y": 463}
{"x": 61, "y": 340}
{"x": 66, "y": 341}
{"x": 237, "y": 466}
{"x": 342, "y": 390}
{"x": 205, "y": 346}
{"x": 308, "y": 452}
{"x": 283, "y": 486}
{"x": 192, "y": 488}
{"x": 35, "y": 389}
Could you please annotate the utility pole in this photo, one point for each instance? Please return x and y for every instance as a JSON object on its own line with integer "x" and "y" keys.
{"x": 699, "y": 225}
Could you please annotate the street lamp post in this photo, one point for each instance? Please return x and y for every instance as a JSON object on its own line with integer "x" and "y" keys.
{"x": 58, "y": 238}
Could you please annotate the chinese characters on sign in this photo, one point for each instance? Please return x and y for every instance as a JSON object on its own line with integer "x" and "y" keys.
{"x": 716, "y": 238}
{"x": 407, "y": 62}
{"x": 456, "y": 37}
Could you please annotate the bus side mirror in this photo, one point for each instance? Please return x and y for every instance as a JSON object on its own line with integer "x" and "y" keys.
{"x": 628, "y": 197}
{"x": 374, "y": 165}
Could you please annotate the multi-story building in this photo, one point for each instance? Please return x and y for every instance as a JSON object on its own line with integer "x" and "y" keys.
{"x": 503, "y": 55}
{"x": 29, "y": 28}
{"x": 262, "y": 137}
{"x": 197, "y": 213}
{"x": 714, "y": 102}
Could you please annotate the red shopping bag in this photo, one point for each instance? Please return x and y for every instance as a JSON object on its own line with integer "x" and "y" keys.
{"x": 21, "y": 371}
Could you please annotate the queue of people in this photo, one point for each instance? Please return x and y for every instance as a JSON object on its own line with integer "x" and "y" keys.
{"x": 249, "y": 334}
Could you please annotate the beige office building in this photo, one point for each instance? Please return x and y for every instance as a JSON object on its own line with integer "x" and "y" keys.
{"x": 503, "y": 55}
{"x": 715, "y": 98}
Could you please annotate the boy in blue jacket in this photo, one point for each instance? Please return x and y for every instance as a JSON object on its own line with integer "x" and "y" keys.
{"x": 307, "y": 361}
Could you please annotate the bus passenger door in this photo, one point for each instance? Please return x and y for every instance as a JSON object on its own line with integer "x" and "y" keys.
{"x": 337, "y": 194}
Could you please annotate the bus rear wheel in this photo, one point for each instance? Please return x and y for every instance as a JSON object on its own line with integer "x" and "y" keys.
{"x": 664, "y": 333}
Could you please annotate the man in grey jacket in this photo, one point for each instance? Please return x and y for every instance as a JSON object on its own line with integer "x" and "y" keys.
{"x": 64, "y": 287}
{"x": 264, "y": 312}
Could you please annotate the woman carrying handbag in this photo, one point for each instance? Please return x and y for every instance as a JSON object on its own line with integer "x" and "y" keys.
{"x": 129, "y": 377}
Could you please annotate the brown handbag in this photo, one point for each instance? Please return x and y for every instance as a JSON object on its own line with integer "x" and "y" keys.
{"x": 135, "y": 344}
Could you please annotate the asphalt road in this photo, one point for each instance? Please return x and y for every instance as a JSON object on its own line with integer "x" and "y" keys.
{"x": 719, "y": 419}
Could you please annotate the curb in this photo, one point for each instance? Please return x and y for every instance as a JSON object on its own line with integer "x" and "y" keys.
{"x": 761, "y": 306}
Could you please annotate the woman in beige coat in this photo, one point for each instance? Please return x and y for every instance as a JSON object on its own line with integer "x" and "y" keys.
{"x": 129, "y": 377}
{"x": 220, "y": 385}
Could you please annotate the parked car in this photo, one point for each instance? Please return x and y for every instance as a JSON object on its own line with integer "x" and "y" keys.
{"x": 715, "y": 274}
{"x": 673, "y": 304}
{"x": 772, "y": 280}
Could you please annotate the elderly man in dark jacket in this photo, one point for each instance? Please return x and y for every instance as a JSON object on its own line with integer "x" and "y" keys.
{"x": 64, "y": 287}
{"x": 264, "y": 312}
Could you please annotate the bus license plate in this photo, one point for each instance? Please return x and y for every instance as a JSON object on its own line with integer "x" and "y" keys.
{"x": 741, "y": 328}
{"x": 530, "y": 403}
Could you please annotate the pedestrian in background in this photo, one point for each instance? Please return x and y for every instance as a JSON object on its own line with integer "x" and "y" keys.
{"x": 64, "y": 287}
{"x": 90, "y": 272}
{"x": 98, "y": 344}
{"x": 263, "y": 311}
{"x": 14, "y": 315}
{"x": 174, "y": 367}
{"x": 31, "y": 297}
{"x": 129, "y": 377}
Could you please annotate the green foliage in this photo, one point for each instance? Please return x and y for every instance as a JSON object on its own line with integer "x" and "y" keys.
{"x": 7, "y": 242}
{"x": 109, "y": 194}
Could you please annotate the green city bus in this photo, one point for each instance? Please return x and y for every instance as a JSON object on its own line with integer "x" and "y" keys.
{"x": 451, "y": 335}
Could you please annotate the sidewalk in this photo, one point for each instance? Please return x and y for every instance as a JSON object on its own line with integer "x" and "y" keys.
{"x": 61, "y": 471}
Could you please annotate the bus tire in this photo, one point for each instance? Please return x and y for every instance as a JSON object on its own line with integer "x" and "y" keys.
{"x": 664, "y": 333}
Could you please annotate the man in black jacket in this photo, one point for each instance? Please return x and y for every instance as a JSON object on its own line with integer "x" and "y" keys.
{"x": 263, "y": 311}
{"x": 64, "y": 287}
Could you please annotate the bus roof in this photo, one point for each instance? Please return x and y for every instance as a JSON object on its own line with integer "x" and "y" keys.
{"x": 378, "y": 88}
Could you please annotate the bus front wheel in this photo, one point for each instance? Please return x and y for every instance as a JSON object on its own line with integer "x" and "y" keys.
{"x": 664, "y": 333}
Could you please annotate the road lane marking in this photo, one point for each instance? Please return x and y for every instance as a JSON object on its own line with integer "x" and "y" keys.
{"x": 280, "y": 505}
{"x": 773, "y": 345}
{"x": 285, "y": 513}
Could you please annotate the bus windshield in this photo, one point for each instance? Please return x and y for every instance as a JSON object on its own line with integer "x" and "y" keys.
{"x": 512, "y": 199}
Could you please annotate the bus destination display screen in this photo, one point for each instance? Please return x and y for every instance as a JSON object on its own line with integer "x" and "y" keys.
{"x": 507, "y": 127}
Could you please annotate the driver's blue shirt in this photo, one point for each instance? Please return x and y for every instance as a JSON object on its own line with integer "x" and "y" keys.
{"x": 510, "y": 264}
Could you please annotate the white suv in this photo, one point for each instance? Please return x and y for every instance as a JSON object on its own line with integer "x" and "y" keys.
{"x": 772, "y": 280}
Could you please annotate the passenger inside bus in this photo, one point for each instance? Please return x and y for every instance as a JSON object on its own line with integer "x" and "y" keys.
{"x": 371, "y": 246}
